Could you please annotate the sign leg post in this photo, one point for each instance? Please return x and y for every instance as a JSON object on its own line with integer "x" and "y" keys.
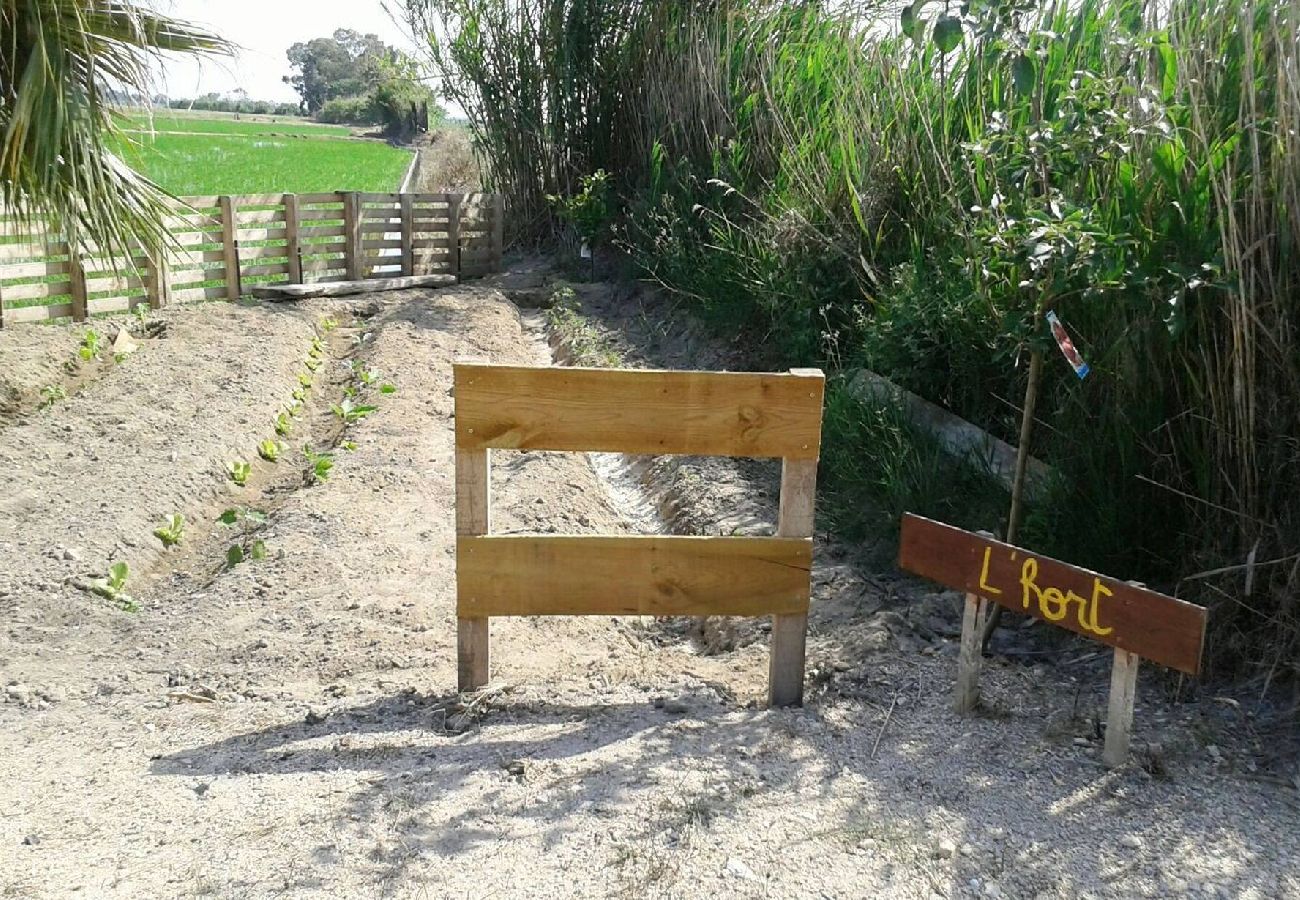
{"x": 969, "y": 661}
{"x": 790, "y": 632}
{"x": 1119, "y": 717}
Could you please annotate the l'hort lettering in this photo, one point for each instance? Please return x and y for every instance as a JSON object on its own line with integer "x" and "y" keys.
{"x": 1053, "y": 603}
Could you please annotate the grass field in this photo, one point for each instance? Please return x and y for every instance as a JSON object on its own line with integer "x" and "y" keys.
{"x": 223, "y": 155}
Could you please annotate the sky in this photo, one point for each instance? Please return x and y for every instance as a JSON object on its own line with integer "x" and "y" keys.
{"x": 265, "y": 29}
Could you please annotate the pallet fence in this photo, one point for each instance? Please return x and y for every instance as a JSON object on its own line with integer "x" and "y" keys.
{"x": 228, "y": 244}
{"x": 636, "y": 412}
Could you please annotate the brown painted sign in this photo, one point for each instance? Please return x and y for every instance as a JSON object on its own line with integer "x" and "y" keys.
{"x": 1157, "y": 627}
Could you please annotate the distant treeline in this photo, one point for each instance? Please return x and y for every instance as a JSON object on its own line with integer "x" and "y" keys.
{"x": 217, "y": 103}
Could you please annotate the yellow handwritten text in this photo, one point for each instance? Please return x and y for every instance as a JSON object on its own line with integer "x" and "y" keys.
{"x": 1054, "y": 605}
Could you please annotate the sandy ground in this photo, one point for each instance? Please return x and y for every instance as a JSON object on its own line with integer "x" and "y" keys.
{"x": 289, "y": 726}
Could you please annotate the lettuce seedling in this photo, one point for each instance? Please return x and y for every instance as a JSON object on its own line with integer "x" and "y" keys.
{"x": 239, "y": 472}
{"x": 269, "y": 450}
{"x": 171, "y": 531}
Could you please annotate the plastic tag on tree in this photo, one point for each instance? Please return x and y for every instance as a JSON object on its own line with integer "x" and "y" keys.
{"x": 1067, "y": 346}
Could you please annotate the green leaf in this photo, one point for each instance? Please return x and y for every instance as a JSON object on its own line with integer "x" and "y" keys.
{"x": 909, "y": 19}
{"x": 235, "y": 555}
{"x": 947, "y": 33}
{"x": 258, "y": 550}
{"x": 117, "y": 574}
{"x": 229, "y": 517}
{"x": 1023, "y": 73}
{"x": 388, "y": 389}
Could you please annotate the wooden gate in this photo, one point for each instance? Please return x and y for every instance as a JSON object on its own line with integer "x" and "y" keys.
{"x": 637, "y": 412}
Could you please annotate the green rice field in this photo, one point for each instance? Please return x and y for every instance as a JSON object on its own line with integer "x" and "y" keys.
{"x": 210, "y": 123}
{"x": 222, "y": 155}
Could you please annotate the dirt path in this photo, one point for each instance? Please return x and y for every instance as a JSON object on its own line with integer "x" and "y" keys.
{"x": 289, "y": 727}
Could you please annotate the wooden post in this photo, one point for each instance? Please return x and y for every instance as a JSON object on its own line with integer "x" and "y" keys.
{"x": 969, "y": 660}
{"x": 352, "y": 235}
{"x": 76, "y": 277}
{"x": 2, "y": 307}
{"x": 790, "y": 632}
{"x": 157, "y": 289}
{"x": 408, "y": 234}
{"x": 453, "y": 234}
{"x": 473, "y": 517}
{"x": 1119, "y": 716}
{"x": 292, "y": 246}
{"x": 230, "y": 246}
{"x": 499, "y": 235}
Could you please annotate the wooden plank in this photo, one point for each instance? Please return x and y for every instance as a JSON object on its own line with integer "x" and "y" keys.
{"x": 281, "y": 268}
{"x": 385, "y": 228}
{"x": 2, "y": 306}
{"x": 430, "y": 243}
{"x": 643, "y": 575}
{"x": 1154, "y": 626}
{"x": 789, "y": 632}
{"x": 1119, "y": 716}
{"x": 320, "y": 198}
{"x": 211, "y": 293}
{"x": 970, "y": 659}
{"x": 157, "y": 282}
{"x": 453, "y": 232}
{"x": 32, "y": 251}
{"x": 200, "y": 202}
{"x": 243, "y": 235}
{"x": 274, "y": 251}
{"x": 352, "y": 236}
{"x": 377, "y": 198}
{"x": 344, "y": 288}
{"x": 323, "y": 231}
{"x": 248, "y": 200}
{"x": 76, "y": 282}
{"x": 333, "y": 215}
{"x": 37, "y": 313}
{"x": 641, "y": 411}
{"x": 292, "y": 247}
{"x": 197, "y": 257}
{"x": 394, "y": 244}
{"x": 499, "y": 237}
{"x": 473, "y": 518}
{"x": 108, "y": 305}
{"x": 230, "y": 247}
{"x": 260, "y": 217}
{"x": 408, "y": 235}
{"x": 37, "y": 290}
{"x": 32, "y": 270}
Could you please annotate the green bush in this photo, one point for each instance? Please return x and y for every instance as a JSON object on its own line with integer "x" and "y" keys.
{"x": 349, "y": 111}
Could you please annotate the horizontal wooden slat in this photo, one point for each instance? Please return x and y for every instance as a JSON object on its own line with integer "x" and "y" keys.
{"x": 319, "y": 198}
{"x": 211, "y": 293}
{"x": 381, "y": 245}
{"x": 322, "y": 231}
{"x": 626, "y": 411}
{"x": 113, "y": 283}
{"x": 32, "y": 250}
{"x": 196, "y": 238}
{"x": 199, "y": 202}
{"x": 108, "y": 305}
{"x": 272, "y": 269}
{"x": 37, "y": 291}
{"x": 259, "y": 217}
{"x": 243, "y": 200}
{"x": 37, "y": 313}
{"x": 274, "y": 251}
{"x": 260, "y": 234}
{"x": 379, "y": 198}
{"x": 32, "y": 269}
{"x": 194, "y": 257}
{"x": 426, "y": 243}
{"x": 548, "y": 575}
{"x": 1152, "y": 625}
{"x": 322, "y": 265}
{"x": 335, "y": 214}
{"x": 381, "y": 227}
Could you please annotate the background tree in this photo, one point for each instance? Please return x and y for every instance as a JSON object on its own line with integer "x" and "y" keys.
{"x": 61, "y": 61}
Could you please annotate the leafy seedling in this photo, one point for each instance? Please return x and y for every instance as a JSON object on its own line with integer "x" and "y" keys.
{"x": 329, "y": 324}
{"x": 283, "y": 422}
{"x": 304, "y": 379}
{"x": 388, "y": 388}
{"x": 114, "y": 587}
{"x": 367, "y": 377}
{"x": 245, "y": 547}
{"x": 119, "y": 358}
{"x": 269, "y": 450}
{"x": 89, "y": 348}
{"x": 171, "y": 531}
{"x": 312, "y": 363}
{"x": 351, "y": 412}
{"x": 318, "y": 465}
{"x": 349, "y": 391}
{"x": 300, "y": 394}
{"x": 52, "y": 394}
{"x": 295, "y": 409}
{"x": 348, "y": 445}
{"x": 316, "y": 346}
{"x": 141, "y": 313}
{"x": 239, "y": 472}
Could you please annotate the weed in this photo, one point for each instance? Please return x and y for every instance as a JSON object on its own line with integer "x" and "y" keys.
{"x": 351, "y": 412}
{"x": 388, "y": 388}
{"x": 90, "y": 345}
{"x": 141, "y": 313}
{"x": 239, "y": 472}
{"x": 329, "y": 324}
{"x": 312, "y": 363}
{"x": 171, "y": 531}
{"x": 269, "y": 450}
{"x": 300, "y": 394}
{"x": 349, "y": 446}
{"x": 246, "y": 546}
{"x": 318, "y": 465}
{"x": 52, "y": 394}
{"x": 283, "y": 423}
{"x": 304, "y": 379}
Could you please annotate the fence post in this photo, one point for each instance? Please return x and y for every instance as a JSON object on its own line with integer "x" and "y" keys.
{"x": 352, "y": 235}
{"x": 408, "y": 234}
{"x": 157, "y": 290}
{"x": 2, "y": 307}
{"x": 76, "y": 276}
{"x": 292, "y": 247}
{"x": 453, "y": 235}
{"x": 230, "y": 246}
{"x": 499, "y": 236}
{"x": 790, "y": 632}
{"x": 1119, "y": 715}
{"x": 473, "y": 517}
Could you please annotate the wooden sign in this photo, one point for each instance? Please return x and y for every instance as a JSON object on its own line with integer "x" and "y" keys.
{"x": 1135, "y": 621}
{"x": 1152, "y": 625}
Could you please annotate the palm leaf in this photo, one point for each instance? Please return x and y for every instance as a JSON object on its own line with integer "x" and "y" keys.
{"x": 61, "y": 62}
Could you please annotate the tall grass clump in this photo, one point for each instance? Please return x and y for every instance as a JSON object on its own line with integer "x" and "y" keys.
{"x": 914, "y": 194}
